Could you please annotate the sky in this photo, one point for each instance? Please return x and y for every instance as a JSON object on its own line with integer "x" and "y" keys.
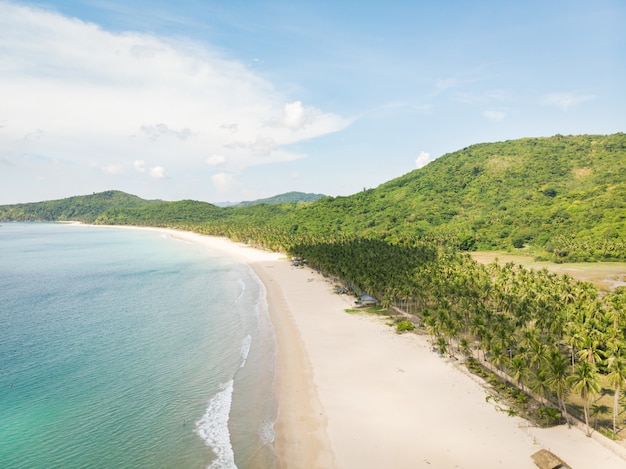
{"x": 236, "y": 100}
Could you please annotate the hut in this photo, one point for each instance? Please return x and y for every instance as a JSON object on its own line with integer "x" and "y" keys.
{"x": 366, "y": 300}
{"x": 544, "y": 459}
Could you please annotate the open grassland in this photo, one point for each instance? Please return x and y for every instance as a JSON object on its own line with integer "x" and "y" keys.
{"x": 605, "y": 276}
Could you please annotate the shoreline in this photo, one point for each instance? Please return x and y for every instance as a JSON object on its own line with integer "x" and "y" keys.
{"x": 353, "y": 393}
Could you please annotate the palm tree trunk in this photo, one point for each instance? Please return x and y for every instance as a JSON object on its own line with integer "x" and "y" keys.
{"x": 564, "y": 409}
{"x": 586, "y": 409}
{"x": 615, "y": 408}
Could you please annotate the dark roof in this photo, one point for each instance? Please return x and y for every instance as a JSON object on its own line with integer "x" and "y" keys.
{"x": 544, "y": 459}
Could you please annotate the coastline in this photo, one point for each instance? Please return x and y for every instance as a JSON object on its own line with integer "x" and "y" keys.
{"x": 353, "y": 393}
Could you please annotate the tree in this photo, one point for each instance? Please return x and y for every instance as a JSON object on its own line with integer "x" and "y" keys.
{"x": 585, "y": 382}
{"x": 616, "y": 377}
{"x": 557, "y": 378}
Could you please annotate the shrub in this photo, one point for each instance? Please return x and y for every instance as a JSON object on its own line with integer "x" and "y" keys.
{"x": 404, "y": 326}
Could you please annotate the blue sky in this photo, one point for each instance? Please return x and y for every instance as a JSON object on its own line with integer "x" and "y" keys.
{"x": 240, "y": 100}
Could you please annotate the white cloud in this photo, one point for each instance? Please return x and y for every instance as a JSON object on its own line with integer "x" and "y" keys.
{"x": 566, "y": 100}
{"x": 215, "y": 160}
{"x": 153, "y": 132}
{"x": 494, "y": 115}
{"x": 294, "y": 115}
{"x": 75, "y": 89}
{"x": 113, "y": 169}
{"x": 422, "y": 159}
{"x": 444, "y": 84}
{"x": 158, "y": 172}
{"x": 223, "y": 182}
{"x": 140, "y": 166}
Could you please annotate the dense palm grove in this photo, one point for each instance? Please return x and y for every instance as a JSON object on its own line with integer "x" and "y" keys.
{"x": 560, "y": 198}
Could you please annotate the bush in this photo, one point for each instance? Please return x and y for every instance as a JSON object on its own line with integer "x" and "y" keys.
{"x": 404, "y": 326}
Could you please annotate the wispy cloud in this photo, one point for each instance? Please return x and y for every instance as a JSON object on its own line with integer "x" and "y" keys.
{"x": 494, "y": 115}
{"x": 71, "y": 90}
{"x": 444, "y": 84}
{"x": 565, "y": 101}
{"x": 158, "y": 172}
{"x": 224, "y": 182}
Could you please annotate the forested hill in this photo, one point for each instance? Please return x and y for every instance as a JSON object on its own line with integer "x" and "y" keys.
{"x": 563, "y": 197}
{"x": 84, "y": 208}
{"x": 563, "y": 194}
{"x": 286, "y": 198}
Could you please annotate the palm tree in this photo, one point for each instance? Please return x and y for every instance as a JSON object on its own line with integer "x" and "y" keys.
{"x": 498, "y": 358}
{"x": 557, "y": 378}
{"x": 539, "y": 384}
{"x": 586, "y": 383}
{"x": 616, "y": 377}
{"x": 519, "y": 371}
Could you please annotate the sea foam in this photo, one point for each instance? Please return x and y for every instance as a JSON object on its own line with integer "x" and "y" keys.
{"x": 245, "y": 349}
{"x": 213, "y": 428}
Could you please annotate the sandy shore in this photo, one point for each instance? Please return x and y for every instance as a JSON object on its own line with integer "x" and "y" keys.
{"x": 354, "y": 394}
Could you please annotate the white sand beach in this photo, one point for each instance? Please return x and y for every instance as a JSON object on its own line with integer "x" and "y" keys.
{"x": 354, "y": 394}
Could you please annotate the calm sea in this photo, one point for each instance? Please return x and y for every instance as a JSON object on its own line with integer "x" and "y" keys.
{"x": 130, "y": 349}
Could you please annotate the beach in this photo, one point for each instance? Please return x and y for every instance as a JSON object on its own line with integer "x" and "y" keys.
{"x": 354, "y": 393}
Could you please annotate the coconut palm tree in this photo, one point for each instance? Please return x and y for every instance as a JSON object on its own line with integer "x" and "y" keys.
{"x": 586, "y": 383}
{"x": 616, "y": 377}
{"x": 518, "y": 369}
{"x": 557, "y": 378}
{"x": 538, "y": 384}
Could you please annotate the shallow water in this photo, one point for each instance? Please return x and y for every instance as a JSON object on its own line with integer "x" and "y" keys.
{"x": 129, "y": 348}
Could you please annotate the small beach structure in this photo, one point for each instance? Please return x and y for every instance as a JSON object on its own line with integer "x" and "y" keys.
{"x": 544, "y": 459}
{"x": 366, "y": 300}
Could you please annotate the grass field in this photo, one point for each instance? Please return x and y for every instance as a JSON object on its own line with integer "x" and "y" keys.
{"x": 605, "y": 276}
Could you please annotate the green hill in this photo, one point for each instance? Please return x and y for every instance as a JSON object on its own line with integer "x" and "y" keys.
{"x": 562, "y": 197}
{"x": 561, "y": 194}
{"x": 286, "y": 198}
{"x": 84, "y": 208}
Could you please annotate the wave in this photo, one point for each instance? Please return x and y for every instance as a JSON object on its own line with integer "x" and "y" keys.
{"x": 213, "y": 428}
{"x": 267, "y": 434}
{"x": 245, "y": 349}
{"x": 242, "y": 286}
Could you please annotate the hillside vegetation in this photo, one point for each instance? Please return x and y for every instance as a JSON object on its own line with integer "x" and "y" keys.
{"x": 562, "y": 195}
{"x": 84, "y": 208}
{"x": 286, "y": 198}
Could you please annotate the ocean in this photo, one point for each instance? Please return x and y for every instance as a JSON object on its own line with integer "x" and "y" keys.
{"x": 124, "y": 348}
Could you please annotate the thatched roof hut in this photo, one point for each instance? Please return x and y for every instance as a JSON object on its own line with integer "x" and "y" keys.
{"x": 544, "y": 459}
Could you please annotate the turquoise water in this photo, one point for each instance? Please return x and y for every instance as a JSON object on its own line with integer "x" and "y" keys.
{"x": 130, "y": 349}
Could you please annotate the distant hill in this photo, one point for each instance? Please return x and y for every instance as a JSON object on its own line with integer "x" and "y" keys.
{"x": 286, "y": 198}
{"x": 562, "y": 197}
{"x": 84, "y": 208}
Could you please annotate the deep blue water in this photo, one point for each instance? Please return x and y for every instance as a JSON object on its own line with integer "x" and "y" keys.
{"x": 129, "y": 348}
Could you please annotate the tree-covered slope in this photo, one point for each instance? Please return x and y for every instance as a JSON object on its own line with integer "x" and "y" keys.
{"x": 286, "y": 198}
{"x": 84, "y": 208}
{"x": 541, "y": 192}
